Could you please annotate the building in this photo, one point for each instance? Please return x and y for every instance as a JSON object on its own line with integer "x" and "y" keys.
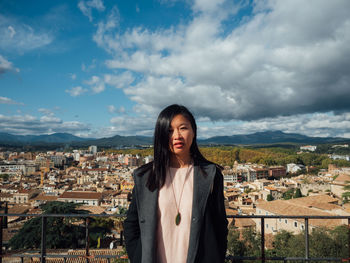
{"x": 293, "y": 168}
{"x": 86, "y": 197}
{"x": 277, "y": 171}
{"x": 310, "y": 148}
{"x": 320, "y": 205}
{"x": 93, "y": 149}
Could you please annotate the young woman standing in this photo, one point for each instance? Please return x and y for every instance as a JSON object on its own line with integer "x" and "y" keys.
{"x": 177, "y": 212}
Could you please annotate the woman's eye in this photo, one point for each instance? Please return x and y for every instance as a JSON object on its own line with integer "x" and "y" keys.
{"x": 183, "y": 128}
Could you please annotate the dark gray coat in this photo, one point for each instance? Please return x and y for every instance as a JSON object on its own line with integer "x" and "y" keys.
{"x": 208, "y": 233}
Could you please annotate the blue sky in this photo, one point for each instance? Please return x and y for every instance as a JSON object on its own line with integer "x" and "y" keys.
{"x": 97, "y": 68}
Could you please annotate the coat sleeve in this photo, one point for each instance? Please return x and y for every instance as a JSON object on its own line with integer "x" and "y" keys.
{"x": 220, "y": 219}
{"x": 132, "y": 230}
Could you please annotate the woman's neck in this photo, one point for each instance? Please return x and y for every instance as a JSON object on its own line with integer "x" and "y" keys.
{"x": 180, "y": 162}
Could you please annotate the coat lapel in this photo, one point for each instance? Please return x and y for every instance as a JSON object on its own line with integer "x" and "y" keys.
{"x": 148, "y": 205}
{"x": 202, "y": 184}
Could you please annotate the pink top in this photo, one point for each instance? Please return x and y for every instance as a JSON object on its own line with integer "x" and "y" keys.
{"x": 172, "y": 239}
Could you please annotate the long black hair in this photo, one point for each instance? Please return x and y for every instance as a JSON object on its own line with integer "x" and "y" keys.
{"x": 162, "y": 152}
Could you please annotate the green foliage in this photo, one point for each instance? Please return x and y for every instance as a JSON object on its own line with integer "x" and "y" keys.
{"x": 235, "y": 246}
{"x": 99, "y": 227}
{"x": 60, "y": 232}
{"x": 288, "y": 194}
{"x": 323, "y": 242}
{"x": 4, "y": 177}
{"x": 269, "y": 197}
{"x": 297, "y": 193}
{"x": 346, "y": 195}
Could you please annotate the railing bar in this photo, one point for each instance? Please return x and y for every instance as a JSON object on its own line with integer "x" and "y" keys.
{"x": 306, "y": 238}
{"x": 43, "y": 239}
{"x": 87, "y": 239}
{"x": 262, "y": 239}
{"x": 1, "y": 222}
{"x": 228, "y": 216}
{"x": 348, "y": 240}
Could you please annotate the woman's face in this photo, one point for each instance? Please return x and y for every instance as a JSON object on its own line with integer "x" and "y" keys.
{"x": 180, "y": 136}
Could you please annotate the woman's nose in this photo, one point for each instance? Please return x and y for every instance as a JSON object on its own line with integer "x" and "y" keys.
{"x": 177, "y": 133}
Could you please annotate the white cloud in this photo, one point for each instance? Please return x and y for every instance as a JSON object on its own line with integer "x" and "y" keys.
{"x": 96, "y": 83}
{"x": 19, "y": 37}
{"x": 132, "y": 125}
{"x": 314, "y": 125}
{"x": 86, "y": 7}
{"x": 5, "y": 100}
{"x": 281, "y": 61}
{"x": 123, "y": 80}
{"x": 113, "y": 109}
{"x": 28, "y": 124}
{"x": 6, "y": 65}
{"x": 76, "y": 91}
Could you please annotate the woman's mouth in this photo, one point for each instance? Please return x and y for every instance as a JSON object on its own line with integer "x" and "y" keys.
{"x": 178, "y": 145}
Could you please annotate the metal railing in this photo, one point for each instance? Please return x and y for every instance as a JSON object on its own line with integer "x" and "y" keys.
{"x": 87, "y": 256}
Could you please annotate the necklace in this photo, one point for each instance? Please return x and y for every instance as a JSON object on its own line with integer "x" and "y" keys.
{"x": 178, "y": 215}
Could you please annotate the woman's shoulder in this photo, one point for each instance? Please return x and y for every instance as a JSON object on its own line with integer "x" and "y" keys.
{"x": 143, "y": 169}
{"x": 208, "y": 164}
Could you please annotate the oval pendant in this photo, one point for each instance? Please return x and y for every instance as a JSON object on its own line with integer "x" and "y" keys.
{"x": 178, "y": 219}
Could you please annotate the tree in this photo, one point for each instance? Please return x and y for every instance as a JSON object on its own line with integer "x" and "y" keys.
{"x": 60, "y": 232}
{"x": 99, "y": 228}
{"x": 269, "y": 197}
{"x": 288, "y": 194}
{"x": 346, "y": 195}
{"x": 235, "y": 246}
{"x": 4, "y": 177}
{"x": 297, "y": 193}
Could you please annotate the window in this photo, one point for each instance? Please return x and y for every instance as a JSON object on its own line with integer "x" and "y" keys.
{"x": 286, "y": 221}
{"x": 267, "y": 225}
{"x": 266, "y": 213}
{"x": 295, "y": 224}
{"x": 280, "y": 219}
{"x": 302, "y": 227}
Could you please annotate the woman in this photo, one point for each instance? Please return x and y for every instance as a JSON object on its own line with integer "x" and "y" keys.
{"x": 177, "y": 211}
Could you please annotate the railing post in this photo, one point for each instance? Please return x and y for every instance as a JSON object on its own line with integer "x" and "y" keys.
{"x": 6, "y": 218}
{"x": 262, "y": 239}
{"x": 348, "y": 239}
{"x": 1, "y": 222}
{"x": 121, "y": 238}
{"x": 306, "y": 238}
{"x": 43, "y": 238}
{"x": 87, "y": 254}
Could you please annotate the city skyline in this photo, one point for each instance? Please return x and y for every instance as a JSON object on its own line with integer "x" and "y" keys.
{"x": 98, "y": 68}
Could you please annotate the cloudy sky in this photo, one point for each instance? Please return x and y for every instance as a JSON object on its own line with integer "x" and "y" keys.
{"x": 97, "y": 68}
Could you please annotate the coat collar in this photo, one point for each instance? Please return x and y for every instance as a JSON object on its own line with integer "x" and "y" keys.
{"x": 148, "y": 205}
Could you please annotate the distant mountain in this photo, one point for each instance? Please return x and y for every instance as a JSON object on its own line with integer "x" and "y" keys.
{"x": 268, "y": 137}
{"x": 61, "y": 139}
{"x": 118, "y": 141}
{"x": 34, "y": 139}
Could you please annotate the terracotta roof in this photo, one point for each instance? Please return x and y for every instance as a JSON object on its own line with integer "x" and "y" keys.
{"x": 81, "y": 195}
{"x": 342, "y": 178}
{"x": 244, "y": 222}
{"x": 289, "y": 207}
{"x": 6, "y": 195}
{"x": 43, "y": 197}
{"x": 19, "y": 209}
{"x": 92, "y": 209}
